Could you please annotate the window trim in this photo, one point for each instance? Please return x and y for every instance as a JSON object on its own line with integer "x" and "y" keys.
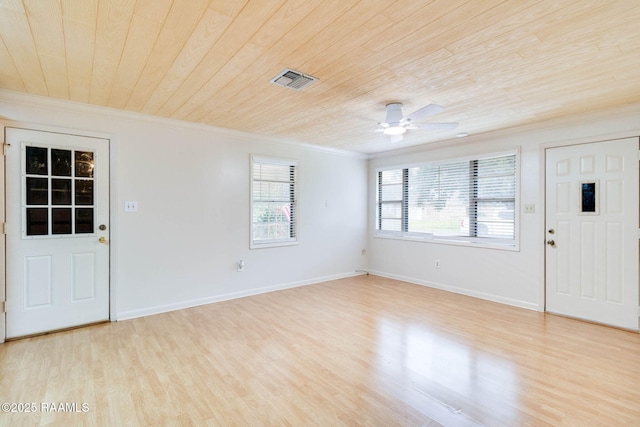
{"x": 272, "y": 243}
{"x": 478, "y": 242}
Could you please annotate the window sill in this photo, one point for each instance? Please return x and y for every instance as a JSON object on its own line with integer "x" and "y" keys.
{"x": 273, "y": 244}
{"x": 452, "y": 240}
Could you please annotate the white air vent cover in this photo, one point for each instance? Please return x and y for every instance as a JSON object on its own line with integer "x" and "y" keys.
{"x": 293, "y": 79}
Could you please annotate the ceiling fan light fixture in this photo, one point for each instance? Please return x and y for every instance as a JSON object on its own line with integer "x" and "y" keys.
{"x": 394, "y": 130}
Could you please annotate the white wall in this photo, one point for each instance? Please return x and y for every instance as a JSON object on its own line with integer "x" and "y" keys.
{"x": 512, "y": 277}
{"x": 192, "y": 225}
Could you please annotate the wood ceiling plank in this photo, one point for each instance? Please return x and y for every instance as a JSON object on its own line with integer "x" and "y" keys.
{"x": 243, "y": 95}
{"x": 180, "y": 23}
{"x": 209, "y": 29}
{"x": 402, "y": 9}
{"x": 282, "y": 22}
{"x": 79, "y": 40}
{"x": 79, "y": 24}
{"x": 338, "y": 32}
{"x": 230, "y": 70}
{"x": 327, "y": 104}
{"x": 325, "y": 96}
{"x": 114, "y": 18}
{"x": 45, "y": 20}
{"x": 585, "y": 15}
{"x": 310, "y": 25}
{"x": 210, "y": 65}
{"x": 204, "y": 82}
{"x": 409, "y": 23}
{"x": 137, "y": 48}
{"x": 18, "y": 39}
{"x": 153, "y": 10}
{"x": 513, "y": 26}
{"x": 14, "y": 5}
{"x": 146, "y": 24}
{"x": 55, "y": 73}
{"x": 9, "y": 75}
{"x": 228, "y": 8}
{"x": 245, "y": 25}
{"x": 450, "y": 27}
{"x": 81, "y": 11}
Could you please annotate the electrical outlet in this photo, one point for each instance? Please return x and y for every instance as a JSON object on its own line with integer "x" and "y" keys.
{"x": 437, "y": 264}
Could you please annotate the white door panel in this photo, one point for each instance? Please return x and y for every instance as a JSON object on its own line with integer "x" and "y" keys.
{"x": 57, "y": 210}
{"x": 592, "y": 232}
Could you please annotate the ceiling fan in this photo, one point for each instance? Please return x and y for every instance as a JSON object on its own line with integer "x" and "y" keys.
{"x": 395, "y": 124}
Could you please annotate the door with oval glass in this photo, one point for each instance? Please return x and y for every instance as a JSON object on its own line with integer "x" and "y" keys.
{"x": 57, "y": 214}
{"x": 592, "y": 232}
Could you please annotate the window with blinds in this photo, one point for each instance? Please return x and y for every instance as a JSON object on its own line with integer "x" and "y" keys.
{"x": 471, "y": 199}
{"x": 273, "y": 202}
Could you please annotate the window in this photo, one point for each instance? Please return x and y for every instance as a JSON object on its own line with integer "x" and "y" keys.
{"x": 471, "y": 200}
{"x": 273, "y": 202}
{"x": 58, "y": 188}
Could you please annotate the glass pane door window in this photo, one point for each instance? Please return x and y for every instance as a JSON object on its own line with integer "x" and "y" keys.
{"x": 58, "y": 192}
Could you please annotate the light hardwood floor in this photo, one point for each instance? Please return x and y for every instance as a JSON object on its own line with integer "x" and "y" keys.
{"x": 358, "y": 351}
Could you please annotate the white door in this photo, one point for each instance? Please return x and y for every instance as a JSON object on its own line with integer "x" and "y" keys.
{"x": 57, "y": 214}
{"x": 592, "y": 232}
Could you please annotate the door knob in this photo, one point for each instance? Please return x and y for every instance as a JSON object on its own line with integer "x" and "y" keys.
{"x": 551, "y": 243}
{"x": 102, "y": 239}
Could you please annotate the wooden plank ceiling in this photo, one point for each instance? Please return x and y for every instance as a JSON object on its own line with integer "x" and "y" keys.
{"x": 490, "y": 63}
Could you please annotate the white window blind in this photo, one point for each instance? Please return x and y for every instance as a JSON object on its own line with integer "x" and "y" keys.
{"x": 273, "y": 202}
{"x": 472, "y": 198}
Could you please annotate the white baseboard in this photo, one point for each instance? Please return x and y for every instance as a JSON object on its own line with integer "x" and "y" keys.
{"x": 475, "y": 294}
{"x": 148, "y": 311}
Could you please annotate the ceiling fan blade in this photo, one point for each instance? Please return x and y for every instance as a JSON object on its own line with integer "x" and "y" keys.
{"x": 435, "y": 126}
{"x": 364, "y": 119}
{"x": 424, "y": 112}
{"x": 395, "y": 138}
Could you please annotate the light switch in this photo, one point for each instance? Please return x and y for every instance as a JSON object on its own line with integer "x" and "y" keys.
{"x": 130, "y": 206}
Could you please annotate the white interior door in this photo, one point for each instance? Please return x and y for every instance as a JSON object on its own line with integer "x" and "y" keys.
{"x": 57, "y": 192}
{"x": 2, "y": 247}
{"x": 592, "y": 232}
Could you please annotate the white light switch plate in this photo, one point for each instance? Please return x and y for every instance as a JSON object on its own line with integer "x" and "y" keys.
{"x": 130, "y": 206}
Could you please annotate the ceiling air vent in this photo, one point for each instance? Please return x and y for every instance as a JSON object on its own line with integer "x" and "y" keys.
{"x": 293, "y": 79}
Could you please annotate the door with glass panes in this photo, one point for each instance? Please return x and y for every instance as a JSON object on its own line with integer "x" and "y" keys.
{"x": 57, "y": 192}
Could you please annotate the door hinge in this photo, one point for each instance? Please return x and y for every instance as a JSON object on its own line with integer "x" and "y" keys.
{"x": 5, "y": 145}
{"x": 4, "y": 228}
{"x": 3, "y": 306}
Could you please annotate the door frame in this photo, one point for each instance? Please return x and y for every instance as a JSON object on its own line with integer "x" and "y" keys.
{"x": 542, "y": 296}
{"x": 4, "y": 124}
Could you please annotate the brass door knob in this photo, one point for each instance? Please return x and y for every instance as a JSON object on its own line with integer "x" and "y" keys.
{"x": 551, "y": 243}
{"x": 102, "y": 239}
